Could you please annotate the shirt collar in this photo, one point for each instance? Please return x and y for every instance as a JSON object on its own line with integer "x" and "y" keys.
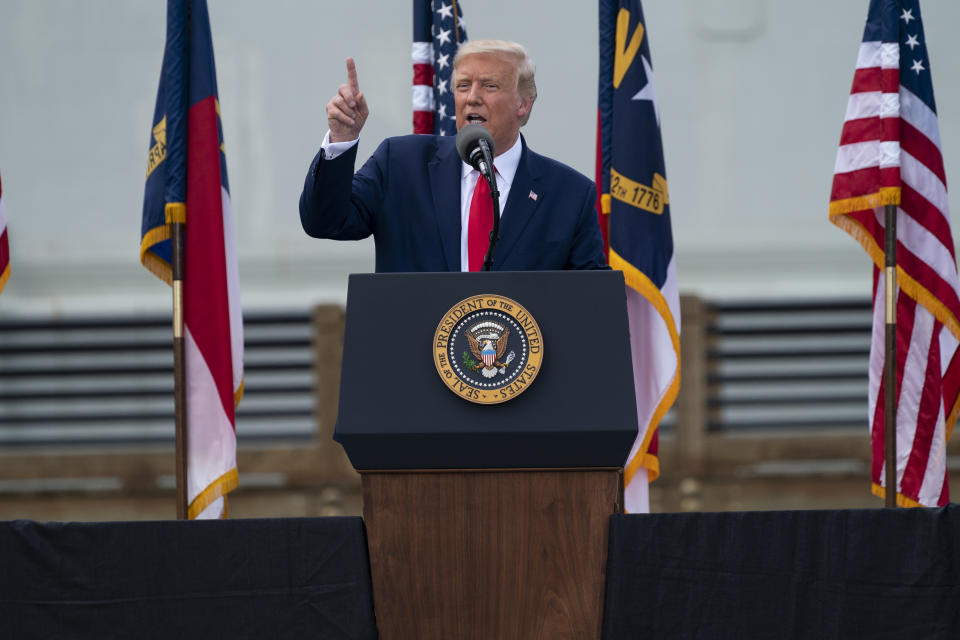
{"x": 506, "y": 163}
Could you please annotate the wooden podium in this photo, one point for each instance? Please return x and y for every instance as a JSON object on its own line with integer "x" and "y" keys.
{"x": 488, "y": 521}
{"x": 489, "y": 554}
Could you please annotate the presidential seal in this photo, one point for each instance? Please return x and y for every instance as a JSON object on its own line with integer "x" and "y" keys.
{"x": 487, "y": 349}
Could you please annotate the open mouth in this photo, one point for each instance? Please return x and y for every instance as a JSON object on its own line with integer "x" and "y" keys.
{"x": 476, "y": 119}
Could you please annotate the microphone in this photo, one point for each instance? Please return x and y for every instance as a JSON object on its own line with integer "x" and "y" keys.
{"x": 476, "y": 148}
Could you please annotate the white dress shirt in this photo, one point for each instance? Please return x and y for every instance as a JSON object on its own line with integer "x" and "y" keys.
{"x": 506, "y": 168}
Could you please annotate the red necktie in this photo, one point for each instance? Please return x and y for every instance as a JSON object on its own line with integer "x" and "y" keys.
{"x": 479, "y": 224}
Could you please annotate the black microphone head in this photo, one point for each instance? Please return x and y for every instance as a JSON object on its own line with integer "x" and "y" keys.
{"x": 468, "y": 139}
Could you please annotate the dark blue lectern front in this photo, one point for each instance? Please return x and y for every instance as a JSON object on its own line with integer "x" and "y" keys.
{"x": 396, "y": 412}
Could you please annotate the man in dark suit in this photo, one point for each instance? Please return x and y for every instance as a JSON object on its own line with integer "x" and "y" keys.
{"x": 426, "y": 209}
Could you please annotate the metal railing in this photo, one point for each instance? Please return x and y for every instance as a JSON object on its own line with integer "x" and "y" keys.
{"x": 109, "y": 380}
{"x": 787, "y": 364}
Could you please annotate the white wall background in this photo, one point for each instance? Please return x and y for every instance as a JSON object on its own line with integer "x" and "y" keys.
{"x": 752, "y": 96}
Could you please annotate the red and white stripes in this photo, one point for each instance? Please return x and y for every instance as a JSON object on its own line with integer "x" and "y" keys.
{"x": 928, "y": 377}
{"x": 890, "y": 154}
{"x": 422, "y": 55}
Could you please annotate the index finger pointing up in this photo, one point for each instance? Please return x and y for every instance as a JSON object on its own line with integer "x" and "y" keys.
{"x": 352, "y": 75}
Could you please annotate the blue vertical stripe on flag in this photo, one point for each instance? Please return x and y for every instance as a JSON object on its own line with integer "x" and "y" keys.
{"x": 635, "y": 205}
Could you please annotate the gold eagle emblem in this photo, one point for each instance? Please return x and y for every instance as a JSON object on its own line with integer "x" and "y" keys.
{"x": 487, "y": 349}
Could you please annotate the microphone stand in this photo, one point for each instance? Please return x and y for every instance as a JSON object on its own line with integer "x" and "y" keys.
{"x": 495, "y": 194}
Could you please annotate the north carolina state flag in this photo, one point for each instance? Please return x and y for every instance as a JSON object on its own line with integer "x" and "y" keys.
{"x": 187, "y": 182}
{"x": 634, "y": 205}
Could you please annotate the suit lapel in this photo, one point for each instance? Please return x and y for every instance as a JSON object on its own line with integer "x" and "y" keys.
{"x": 520, "y": 205}
{"x": 444, "y": 171}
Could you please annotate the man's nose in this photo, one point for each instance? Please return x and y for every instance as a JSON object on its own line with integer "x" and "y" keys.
{"x": 473, "y": 96}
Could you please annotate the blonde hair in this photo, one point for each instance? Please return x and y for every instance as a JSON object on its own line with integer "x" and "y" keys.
{"x": 526, "y": 84}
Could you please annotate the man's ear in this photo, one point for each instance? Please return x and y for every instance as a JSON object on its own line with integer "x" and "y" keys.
{"x": 526, "y": 104}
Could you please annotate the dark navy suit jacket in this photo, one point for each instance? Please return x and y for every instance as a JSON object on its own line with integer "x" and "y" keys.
{"x": 408, "y": 196}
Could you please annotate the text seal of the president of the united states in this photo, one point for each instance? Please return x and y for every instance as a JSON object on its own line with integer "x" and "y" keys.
{"x": 488, "y": 349}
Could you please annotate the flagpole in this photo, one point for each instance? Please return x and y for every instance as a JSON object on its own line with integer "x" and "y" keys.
{"x": 890, "y": 359}
{"x": 179, "y": 369}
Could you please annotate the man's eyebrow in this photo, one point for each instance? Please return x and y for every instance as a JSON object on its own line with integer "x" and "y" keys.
{"x": 483, "y": 79}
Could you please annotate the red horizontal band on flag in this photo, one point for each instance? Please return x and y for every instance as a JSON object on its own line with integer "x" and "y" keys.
{"x": 914, "y": 142}
{"x": 4, "y": 256}
{"x": 876, "y": 434}
{"x": 423, "y": 74}
{"x": 876, "y": 79}
{"x": 928, "y": 216}
{"x": 905, "y": 317}
{"x": 4, "y": 250}
{"x": 423, "y": 122}
{"x": 929, "y": 279}
{"x": 206, "y": 297}
{"x": 939, "y": 291}
{"x": 867, "y": 129}
{"x": 928, "y": 415}
{"x": 868, "y": 221}
{"x": 853, "y": 184}
{"x": 951, "y": 390}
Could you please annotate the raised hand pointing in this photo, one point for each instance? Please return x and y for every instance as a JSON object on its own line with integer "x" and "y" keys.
{"x": 347, "y": 111}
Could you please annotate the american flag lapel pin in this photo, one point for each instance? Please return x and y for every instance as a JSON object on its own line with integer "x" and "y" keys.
{"x": 533, "y": 196}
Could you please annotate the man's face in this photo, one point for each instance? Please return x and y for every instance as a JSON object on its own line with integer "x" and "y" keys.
{"x": 485, "y": 92}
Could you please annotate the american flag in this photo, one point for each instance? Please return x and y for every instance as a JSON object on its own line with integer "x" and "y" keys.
{"x": 4, "y": 245}
{"x": 634, "y": 210}
{"x": 890, "y": 154}
{"x": 437, "y": 34}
